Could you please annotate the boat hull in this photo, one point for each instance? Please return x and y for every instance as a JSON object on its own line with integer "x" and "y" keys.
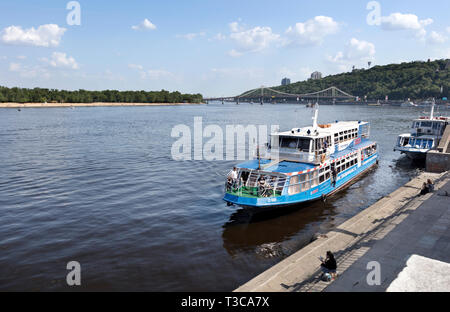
{"x": 413, "y": 154}
{"x": 324, "y": 190}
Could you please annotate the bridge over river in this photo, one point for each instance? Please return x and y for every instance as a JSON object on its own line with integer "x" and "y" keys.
{"x": 265, "y": 94}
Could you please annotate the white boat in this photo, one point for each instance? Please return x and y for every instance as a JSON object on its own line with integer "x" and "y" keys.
{"x": 425, "y": 135}
{"x": 303, "y": 165}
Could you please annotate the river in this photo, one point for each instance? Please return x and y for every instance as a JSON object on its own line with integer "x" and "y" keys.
{"x": 99, "y": 186}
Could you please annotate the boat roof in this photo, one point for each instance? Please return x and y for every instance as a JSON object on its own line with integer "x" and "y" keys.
{"x": 352, "y": 148}
{"x": 333, "y": 128}
{"x": 438, "y": 119}
{"x": 281, "y": 167}
{"x": 291, "y": 166}
{"x": 422, "y": 136}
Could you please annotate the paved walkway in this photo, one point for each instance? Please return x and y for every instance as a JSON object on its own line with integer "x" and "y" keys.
{"x": 422, "y": 230}
{"x": 391, "y": 230}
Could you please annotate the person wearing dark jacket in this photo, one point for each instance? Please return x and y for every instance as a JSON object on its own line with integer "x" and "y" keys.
{"x": 329, "y": 264}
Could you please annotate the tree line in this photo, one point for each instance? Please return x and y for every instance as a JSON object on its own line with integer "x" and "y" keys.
{"x": 414, "y": 80}
{"x": 40, "y": 95}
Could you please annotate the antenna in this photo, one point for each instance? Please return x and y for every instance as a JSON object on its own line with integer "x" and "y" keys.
{"x": 316, "y": 114}
{"x": 432, "y": 109}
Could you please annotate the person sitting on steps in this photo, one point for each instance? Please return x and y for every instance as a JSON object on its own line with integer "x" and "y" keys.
{"x": 424, "y": 190}
{"x": 329, "y": 264}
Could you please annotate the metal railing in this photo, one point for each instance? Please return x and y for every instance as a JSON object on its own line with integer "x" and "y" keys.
{"x": 273, "y": 184}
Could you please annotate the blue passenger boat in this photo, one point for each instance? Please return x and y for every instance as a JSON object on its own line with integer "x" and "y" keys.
{"x": 303, "y": 165}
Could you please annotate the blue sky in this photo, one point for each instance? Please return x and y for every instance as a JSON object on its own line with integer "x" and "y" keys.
{"x": 212, "y": 47}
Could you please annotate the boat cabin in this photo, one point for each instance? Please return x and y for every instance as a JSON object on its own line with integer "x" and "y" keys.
{"x": 316, "y": 144}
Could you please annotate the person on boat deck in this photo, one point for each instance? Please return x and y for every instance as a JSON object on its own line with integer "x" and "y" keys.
{"x": 424, "y": 190}
{"x": 329, "y": 264}
{"x": 325, "y": 145}
{"x": 233, "y": 177}
{"x": 333, "y": 175}
{"x": 262, "y": 186}
{"x": 430, "y": 186}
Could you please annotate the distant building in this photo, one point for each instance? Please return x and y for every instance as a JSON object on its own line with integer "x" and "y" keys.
{"x": 316, "y": 75}
{"x": 285, "y": 81}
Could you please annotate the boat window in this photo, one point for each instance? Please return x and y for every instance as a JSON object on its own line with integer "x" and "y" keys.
{"x": 294, "y": 186}
{"x": 303, "y": 144}
{"x": 288, "y": 142}
{"x": 306, "y": 186}
{"x": 298, "y": 143}
{"x": 303, "y": 177}
{"x": 425, "y": 124}
{"x": 322, "y": 179}
{"x": 314, "y": 178}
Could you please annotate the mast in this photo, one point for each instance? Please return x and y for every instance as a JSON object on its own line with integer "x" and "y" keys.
{"x": 316, "y": 114}
{"x": 432, "y": 109}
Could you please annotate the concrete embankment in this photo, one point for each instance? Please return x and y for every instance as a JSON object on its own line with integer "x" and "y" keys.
{"x": 45, "y": 105}
{"x": 439, "y": 160}
{"x": 412, "y": 221}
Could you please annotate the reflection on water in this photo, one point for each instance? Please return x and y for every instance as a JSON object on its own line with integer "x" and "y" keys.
{"x": 99, "y": 186}
{"x": 267, "y": 232}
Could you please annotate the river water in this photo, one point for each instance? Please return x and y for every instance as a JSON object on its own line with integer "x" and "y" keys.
{"x": 99, "y": 186}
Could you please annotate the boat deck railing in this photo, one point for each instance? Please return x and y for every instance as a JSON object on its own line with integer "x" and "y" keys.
{"x": 273, "y": 186}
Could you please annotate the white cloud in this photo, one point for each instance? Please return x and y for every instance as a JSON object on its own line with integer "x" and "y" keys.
{"x": 153, "y": 74}
{"x": 61, "y": 60}
{"x": 136, "y": 66}
{"x": 221, "y": 37}
{"x": 29, "y": 72}
{"x": 144, "y": 25}
{"x": 191, "y": 36}
{"x": 234, "y": 53}
{"x": 311, "y": 32}
{"x": 14, "y": 67}
{"x": 158, "y": 74}
{"x": 357, "y": 52}
{"x": 251, "y": 40}
{"x": 448, "y": 29}
{"x": 436, "y": 38}
{"x": 48, "y": 35}
{"x": 234, "y": 27}
{"x": 400, "y": 21}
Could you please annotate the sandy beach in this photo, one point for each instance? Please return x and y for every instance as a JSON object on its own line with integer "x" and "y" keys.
{"x": 33, "y": 105}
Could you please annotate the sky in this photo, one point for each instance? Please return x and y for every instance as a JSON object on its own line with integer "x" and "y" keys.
{"x": 216, "y": 48}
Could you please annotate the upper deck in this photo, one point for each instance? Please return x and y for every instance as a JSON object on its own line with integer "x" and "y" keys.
{"x": 315, "y": 144}
{"x": 434, "y": 126}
